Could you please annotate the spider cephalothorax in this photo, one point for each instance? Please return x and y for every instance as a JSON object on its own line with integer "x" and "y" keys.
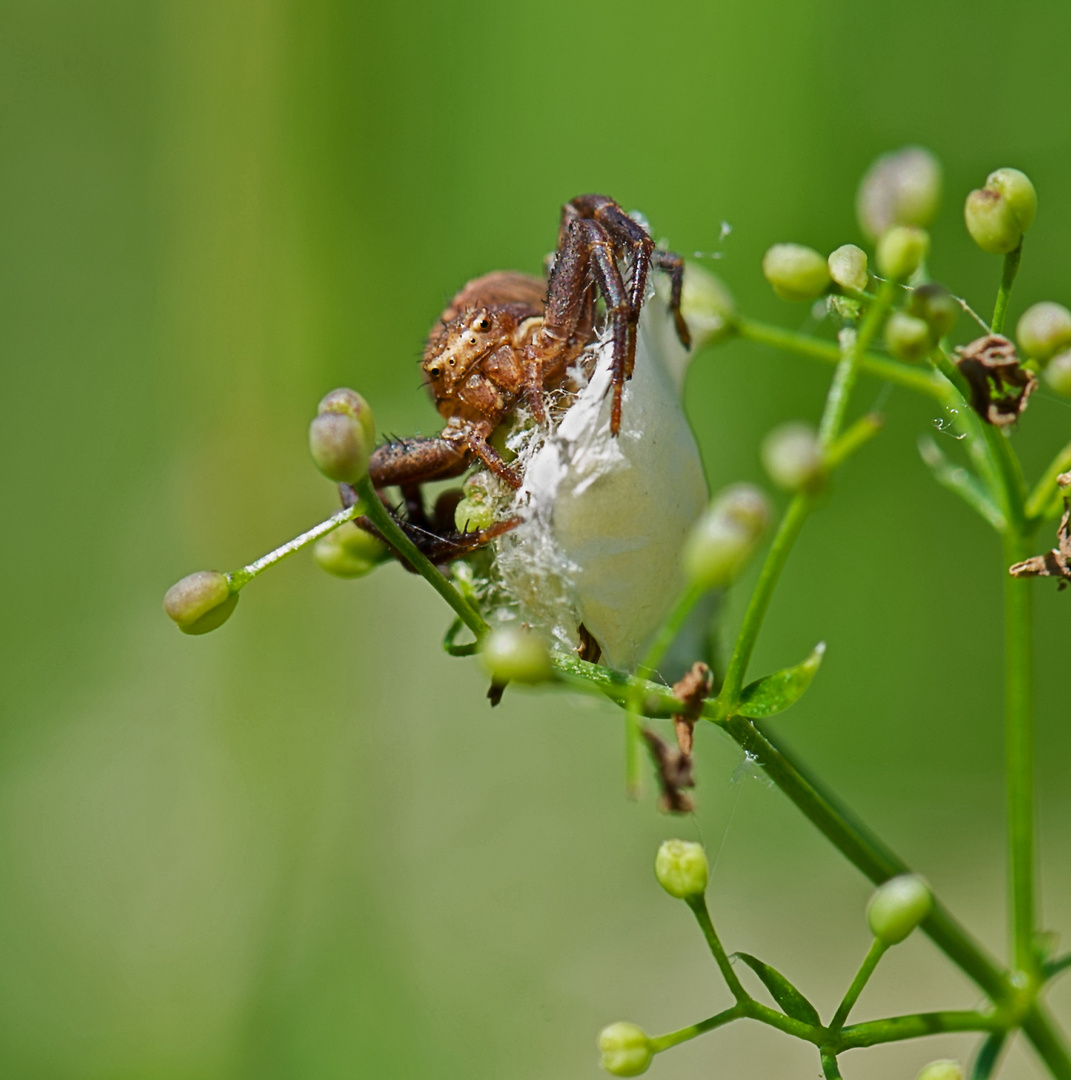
{"x": 507, "y": 337}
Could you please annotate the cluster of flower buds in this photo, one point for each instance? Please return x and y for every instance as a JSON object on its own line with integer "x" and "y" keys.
{"x": 998, "y": 214}
{"x": 1044, "y": 335}
{"x": 722, "y": 541}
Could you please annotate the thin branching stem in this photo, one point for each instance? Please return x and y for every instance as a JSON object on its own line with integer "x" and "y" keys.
{"x": 862, "y": 977}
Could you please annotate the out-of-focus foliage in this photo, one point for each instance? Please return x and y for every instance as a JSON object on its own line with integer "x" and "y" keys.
{"x": 304, "y": 846}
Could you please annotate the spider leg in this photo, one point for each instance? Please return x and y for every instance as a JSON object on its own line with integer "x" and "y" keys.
{"x": 414, "y": 461}
{"x": 475, "y": 438}
{"x": 674, "y": 266}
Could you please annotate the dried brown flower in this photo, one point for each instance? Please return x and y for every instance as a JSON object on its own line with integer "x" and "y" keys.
{"x": 1000, "y": 385}
{"x": 1057, "y": 562}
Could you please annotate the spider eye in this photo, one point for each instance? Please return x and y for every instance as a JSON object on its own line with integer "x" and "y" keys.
{"x": 434, "y": 372}
{"x": 484, "y": 324}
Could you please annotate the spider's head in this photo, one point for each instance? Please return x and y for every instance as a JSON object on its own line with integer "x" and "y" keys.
{"x": 456, "y": 351}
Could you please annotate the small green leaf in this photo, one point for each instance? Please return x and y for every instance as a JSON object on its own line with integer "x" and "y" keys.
{"x": 962, "y": 481}
{"x": 784, "y": 993}
{"x": 774, "y": 693}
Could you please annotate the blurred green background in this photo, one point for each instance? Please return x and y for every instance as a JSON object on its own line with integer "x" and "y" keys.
{"x": 305, "y": 846}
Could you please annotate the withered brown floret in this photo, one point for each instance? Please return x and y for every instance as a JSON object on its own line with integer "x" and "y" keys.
{"x": 1057, "y": 562}
{"x": 691, "y": 690}
{"x": 1000, "y": 386}
{"x": 674, "y": 771}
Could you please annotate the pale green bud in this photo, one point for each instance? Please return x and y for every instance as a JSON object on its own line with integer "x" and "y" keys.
{"x": 941, "y": 1070}
{"x": 847, "y": 267}
{"x": 908, "y": 338}
{"x": 715, "y": 551}
{"x": 682, "y": 869}
{"x": 471, "y": 515}
{"x": 936, "y": 306}
{"x": 707, "y": 306}
{"x": 349, "y": 551}
{"x": 992, "y": 222}
{"x": 511, "y": 654}
{"x": 900, "y": 250}
{"x": 899, "y": 188}
{"x": 200, "y": 602}
{"x": 1017, "y": 188}
{"x": 792, "y": 456}
{"x": 795, "y": 272}
{"x": 898, "y": 907}
{"x": 1058, "y": 374}
{"x": 350, "y": 403}
{"x": 340, "y": 447}
{"x": 625, "y": 1049}
{"x": 1044, "y": 330}
{"x": 744, "y": 504}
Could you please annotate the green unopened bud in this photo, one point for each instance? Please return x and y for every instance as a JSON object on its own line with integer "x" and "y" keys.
{"x": 715, "y": 551}
{"x": 941, "y": 1070}
{"x": 900, "y": 188}
{"x": 200, "y": 602}
{"x": 349, "y": 551}
{"x": 350, "y": 403}
{"x": 471, "y": 515}
{"x": 847, "y": 267}
{"x": 339, "y": 446}
{"x": 1044, "y": 330}
{"x": 1017, "y": 188}
{"x": 792, "y": 456}
{"x": 908, "y": 338}
{"x": 898, "y": 907}
{"x": 1058, "y": 374}
{"x": 900, "y": 250}
{"x": 795, "y": 272}
{"x": 682, "y": 869}
{"x": 936, "y": 306}
{"x": 707, "y": 306}
{"x": 991, "y": 221}
{"x": 745, "y": 505}
{"x": 625, "y": 1049}
{"x": 511, "y": 654}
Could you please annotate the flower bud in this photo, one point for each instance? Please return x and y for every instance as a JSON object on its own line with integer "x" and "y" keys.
{"x": 908, "y": 338}
{"x": 991, "y": 221}
{"x": 898, "y": 907}
{"x": 795, "y": 272}
{"x": 350, "y": 403}
{"x": 1058, "y": 374}
{"x": 900, "y": 250}
{"x": 941, "y": 1070}
{"x": 682, "y": 869}
{"x": 340, "y": 447}
{"x": 1016, "y": 187}
{"x": 847, "y": 267}
{"x": 625, "y": 1048}
{"x": 1044, "y": 330}
{"x": 511, "y": 654}
{"x": 707, "y": 306}
{"x": 349, "y": 551}
{"x": 900, "y": 188}
{"x": 200, "y": 602}
{"x": 715, "y": 551}
{"x": 470, "y": 515}
{"x": 745, "y": 505}
{"x": 792, "y": 456}
{"x": 936, "y": 306}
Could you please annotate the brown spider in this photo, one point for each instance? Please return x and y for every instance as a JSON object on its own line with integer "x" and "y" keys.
{"x": 508, "y": 336}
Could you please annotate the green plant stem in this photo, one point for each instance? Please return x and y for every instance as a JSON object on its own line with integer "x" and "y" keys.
{"x": 238, "y": 579}
{"x": 917, "y": 379}
{"x": 862, "y": 976}
{"x": 1019, "y": 753}
{"x": 848, "y": 369}
{"x": 986, "y": 1059}
{"x": 915, "y": 1026}
{"x": 1007, "y": 279}
{"x": 674, "y": 1038}
{"x": 859, "y": 434}
{"x": 698, "y": 904}
{"x": 862, "y": 848}
{"x": 378, "y": 514}
{"x": 1043, "y": 499}
{"x": 829, "y": 1066}
{"x": 789, "y": 529}
{"x": 1047, "y": 1041}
